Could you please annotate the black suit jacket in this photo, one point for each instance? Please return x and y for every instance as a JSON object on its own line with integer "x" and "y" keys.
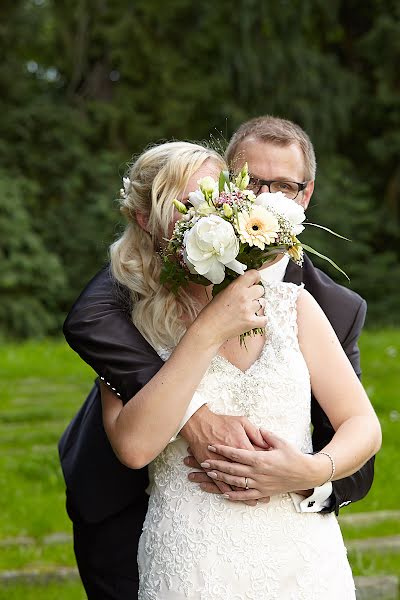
{"x": 99, "y": 329}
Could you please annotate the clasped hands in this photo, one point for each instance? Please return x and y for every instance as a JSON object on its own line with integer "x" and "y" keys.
{"x": 243, "y": 454}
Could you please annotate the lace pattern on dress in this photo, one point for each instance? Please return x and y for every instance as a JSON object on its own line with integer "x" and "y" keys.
{"x": 199, "y": 546}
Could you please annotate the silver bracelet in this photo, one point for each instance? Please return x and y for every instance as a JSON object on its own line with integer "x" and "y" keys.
{"x": 333, "y": 466}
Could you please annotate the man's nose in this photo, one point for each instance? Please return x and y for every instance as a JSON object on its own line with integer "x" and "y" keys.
{"x": 263, "y": 189}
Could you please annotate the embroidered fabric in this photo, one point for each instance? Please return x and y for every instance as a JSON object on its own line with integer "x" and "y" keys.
{"x": 200, "y": 546}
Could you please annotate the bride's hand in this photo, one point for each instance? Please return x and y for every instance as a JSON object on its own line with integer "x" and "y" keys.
{"x": 207, "y": 485}
{"x": 224, "y": 429}
{"x": 280, "y": 469}
{"x": 235, "y": 310}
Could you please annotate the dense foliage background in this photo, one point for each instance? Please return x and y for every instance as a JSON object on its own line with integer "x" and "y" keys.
{"x": 87, "y": 83}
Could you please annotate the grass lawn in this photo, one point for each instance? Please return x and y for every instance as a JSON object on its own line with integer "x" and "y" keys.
{"x": 49, "y": 591}
{"x": 42, "y": 384}
{"x": 380, "y": 361}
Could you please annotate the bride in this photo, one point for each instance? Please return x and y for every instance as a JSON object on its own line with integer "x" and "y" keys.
{"x": 210, "y": 547}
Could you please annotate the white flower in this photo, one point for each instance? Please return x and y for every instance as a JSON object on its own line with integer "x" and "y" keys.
{"x": 196, "y": 198}
{"x": 286, "y": 207}
{"x": 207, "y": 184}
{"x": 203, "y": 208}
{"x": 126, "y": 182}
{"x": 210, "y": 246}
{"x": 249, "y": 195}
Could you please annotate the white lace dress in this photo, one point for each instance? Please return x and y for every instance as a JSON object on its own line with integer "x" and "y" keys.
{"x": 201, "y": 546}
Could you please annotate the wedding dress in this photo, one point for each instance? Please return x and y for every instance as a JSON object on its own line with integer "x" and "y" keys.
{"x": 201, "y": 546}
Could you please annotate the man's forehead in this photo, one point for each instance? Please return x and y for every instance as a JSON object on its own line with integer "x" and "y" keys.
{"x": 268, "y": 160}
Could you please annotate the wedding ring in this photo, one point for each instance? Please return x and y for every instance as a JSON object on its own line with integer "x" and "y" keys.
{"x": 246, "y": 483}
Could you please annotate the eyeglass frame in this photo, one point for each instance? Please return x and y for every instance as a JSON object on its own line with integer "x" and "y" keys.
{"x": 301, "y": 186}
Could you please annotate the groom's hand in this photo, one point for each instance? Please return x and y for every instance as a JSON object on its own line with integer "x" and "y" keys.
{"x": 205, "y": 426}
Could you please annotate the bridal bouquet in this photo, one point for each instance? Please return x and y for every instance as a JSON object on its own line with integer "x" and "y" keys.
{"x": 228, "y": 229}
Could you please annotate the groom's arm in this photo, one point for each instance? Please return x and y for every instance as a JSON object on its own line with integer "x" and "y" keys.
{"x": 356, "y": 486}
{"x": 99, "y": 328}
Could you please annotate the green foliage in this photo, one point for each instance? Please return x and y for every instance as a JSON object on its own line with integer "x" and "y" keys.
{"x": 86, "y": 83}
{"x": 172, "y": 276}
{"x": 34, "y": 410}
{"x": 348, "y": 206}
{"x": 31, "y": 277}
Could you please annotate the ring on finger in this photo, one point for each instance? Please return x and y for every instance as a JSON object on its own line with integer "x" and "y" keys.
{"x": 260, "y": 305}
{"x": 246, "y": 483}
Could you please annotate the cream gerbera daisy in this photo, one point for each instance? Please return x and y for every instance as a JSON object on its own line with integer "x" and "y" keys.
{"x": 257, "y": 227}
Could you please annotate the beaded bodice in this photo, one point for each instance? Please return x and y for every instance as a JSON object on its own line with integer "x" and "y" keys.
{"x": 275, "y": 391}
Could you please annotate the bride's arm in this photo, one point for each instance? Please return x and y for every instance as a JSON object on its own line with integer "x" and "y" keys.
{"x": 338, "y": 390}
{"x": 340, "y": 394}
{"x": 139, "y": 430}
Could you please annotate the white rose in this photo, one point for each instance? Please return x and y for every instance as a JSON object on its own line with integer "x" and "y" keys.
{"x": 210, "y": 246}
{"x": 288, "y": 208}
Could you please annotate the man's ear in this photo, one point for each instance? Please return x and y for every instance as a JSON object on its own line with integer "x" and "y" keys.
{"x": 143, "y": 220}
{"x": 306, "y": 196}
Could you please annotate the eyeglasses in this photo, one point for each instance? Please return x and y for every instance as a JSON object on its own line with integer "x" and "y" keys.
{"x": 291, "y": 189}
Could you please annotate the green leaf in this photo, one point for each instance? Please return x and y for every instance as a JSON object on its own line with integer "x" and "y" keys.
{"x": 328, "y": 230}
{"x": 309, "y": 249}
{"x": 172, "y": 275}
{"x": 223, "y": 178}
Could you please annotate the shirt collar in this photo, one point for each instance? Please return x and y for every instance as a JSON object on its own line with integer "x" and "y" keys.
{"x": 276, "y": 271}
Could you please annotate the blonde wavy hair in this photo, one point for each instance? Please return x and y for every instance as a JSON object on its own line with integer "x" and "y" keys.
{"x": 158, "y": 176}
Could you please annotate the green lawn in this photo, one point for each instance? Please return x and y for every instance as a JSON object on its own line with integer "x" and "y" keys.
{"x": 380, "y": 360}
{"x": 42, "y": 384}
{"x": 49, "y": 591}
{"x": 41, "y": 387}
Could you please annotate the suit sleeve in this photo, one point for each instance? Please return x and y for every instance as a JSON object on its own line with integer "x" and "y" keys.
{"x": 356, "y": 486}
{"x": 100, "y": 330}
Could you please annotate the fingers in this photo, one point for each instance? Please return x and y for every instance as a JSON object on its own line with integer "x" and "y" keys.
{"x": 223, "y": 487}
{"x": 206, "y": 484}
{"x": 190, "y": 461}
{"x": 230, "y": 468}
{"x": 251, "y": 277}
{"x": 254, "y": 434}
{"x": 244, "y": 495}
{"x": 259, "y": 306}
{"x": 244, "y": 457}
{"x": 271, "y": 439}
{"x": 211, "y": 488}
{"x": 256, "y": 291}
{"x": 232, "y": 479}
{"x": 200, "y": 477}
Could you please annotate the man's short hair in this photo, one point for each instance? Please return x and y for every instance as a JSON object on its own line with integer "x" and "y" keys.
{"x": 275, "y": 131}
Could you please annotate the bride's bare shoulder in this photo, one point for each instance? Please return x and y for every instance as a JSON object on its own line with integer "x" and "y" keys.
{"x": 312, "y": 323}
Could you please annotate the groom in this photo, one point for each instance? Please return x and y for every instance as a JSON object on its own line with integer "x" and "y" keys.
{"x": 107, "y": 501}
